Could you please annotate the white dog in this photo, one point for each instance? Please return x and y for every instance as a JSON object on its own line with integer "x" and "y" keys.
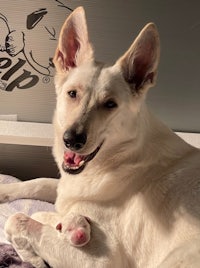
{"x": 136, "y": 180}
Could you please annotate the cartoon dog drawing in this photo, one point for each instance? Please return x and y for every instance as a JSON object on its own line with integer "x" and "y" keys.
{"x": 14, "y": 40}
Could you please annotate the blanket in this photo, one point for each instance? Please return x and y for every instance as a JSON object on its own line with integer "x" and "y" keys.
{"x": 8, "y": 256}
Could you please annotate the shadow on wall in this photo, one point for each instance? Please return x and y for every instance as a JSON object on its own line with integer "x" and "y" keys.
{"x": 27, "y": 162}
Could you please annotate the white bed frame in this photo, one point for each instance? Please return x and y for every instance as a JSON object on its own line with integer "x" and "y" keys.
{"x": 41, "y": 134}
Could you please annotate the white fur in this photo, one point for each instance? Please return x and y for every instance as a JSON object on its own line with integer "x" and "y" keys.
{"x": 142, "y": 189}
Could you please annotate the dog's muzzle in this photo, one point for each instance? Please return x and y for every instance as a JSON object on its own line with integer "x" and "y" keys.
{"x": 73, "y": 162}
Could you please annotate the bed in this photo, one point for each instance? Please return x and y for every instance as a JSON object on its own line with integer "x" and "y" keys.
{"x": 16, "y": 133}
{"x": 30, "y": 134}
{"x": 8, "y": 256}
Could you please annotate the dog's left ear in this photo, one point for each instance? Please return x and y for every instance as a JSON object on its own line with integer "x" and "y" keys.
{"x": 74, "y": 47}
{"x": 139, "y": 64}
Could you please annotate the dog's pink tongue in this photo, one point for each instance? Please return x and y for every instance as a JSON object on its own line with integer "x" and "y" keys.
{"x": 72, "y": 159}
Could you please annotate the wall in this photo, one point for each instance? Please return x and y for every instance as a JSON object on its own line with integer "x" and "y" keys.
{"x": 28, "y": 40}
{"x": 112, "y": 27}
{"x": 27, "y": 162}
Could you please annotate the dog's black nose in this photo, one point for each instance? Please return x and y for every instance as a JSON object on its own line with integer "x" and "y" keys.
{"x": 74, "y": 141}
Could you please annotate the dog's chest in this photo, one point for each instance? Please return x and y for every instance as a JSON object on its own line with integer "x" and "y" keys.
{"x": 148, "y": 226}
{"x": 150, "y": 234}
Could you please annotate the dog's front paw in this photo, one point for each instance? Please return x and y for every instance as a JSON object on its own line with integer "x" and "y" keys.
{"x": 18, "y": 228}
{"x": 5, "y": 194}
{"x": 16, "y": 225}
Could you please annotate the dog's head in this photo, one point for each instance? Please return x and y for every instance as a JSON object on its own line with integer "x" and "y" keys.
{"x": 98, "y": 107}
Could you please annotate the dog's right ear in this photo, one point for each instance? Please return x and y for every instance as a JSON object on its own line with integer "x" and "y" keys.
{"x": 139, "y": 64}
{"x": 74, "y": 47}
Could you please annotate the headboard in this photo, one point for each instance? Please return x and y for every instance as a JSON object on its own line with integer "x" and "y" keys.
{"x": 41, "y": 134}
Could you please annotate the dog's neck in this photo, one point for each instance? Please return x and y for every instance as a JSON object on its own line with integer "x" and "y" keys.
{"x": 153, "y": 143}
{"x": 153, "y": 150}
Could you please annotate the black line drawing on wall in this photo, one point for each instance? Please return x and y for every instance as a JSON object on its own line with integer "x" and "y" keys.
{"x": 14, "y": 45}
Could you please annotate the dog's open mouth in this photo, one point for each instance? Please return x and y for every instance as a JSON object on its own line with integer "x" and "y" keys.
{"x": 75, "y": 163}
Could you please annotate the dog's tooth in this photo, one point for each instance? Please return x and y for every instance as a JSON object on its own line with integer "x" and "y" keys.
{"x": 77, "y": 167}
{"x": 74, "y": 168}
{"x": 69, "y": 167}
{"x": 81, "y": 163}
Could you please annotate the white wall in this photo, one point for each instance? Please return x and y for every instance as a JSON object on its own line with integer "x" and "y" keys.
{"x": 113, "y": 24}
{"x": 112, "y": 27}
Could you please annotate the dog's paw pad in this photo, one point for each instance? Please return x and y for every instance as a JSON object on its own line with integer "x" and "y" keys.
{"x": 20, "y": 242}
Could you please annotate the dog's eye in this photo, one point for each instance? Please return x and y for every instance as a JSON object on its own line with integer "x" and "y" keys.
{"x": 72, "y": 94}
{"x": 110, "y": 104}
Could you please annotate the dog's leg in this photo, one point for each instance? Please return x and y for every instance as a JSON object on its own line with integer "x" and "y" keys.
{"x": 75, "y": 227}
{"x": 23, "y": 232}
{"x": 47, "y": 217}
{"x": 43, "y": 189}
{"x": 31, "y": 239}
{"x": 16, "y": 229}
{"x": 54, "y": 247}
